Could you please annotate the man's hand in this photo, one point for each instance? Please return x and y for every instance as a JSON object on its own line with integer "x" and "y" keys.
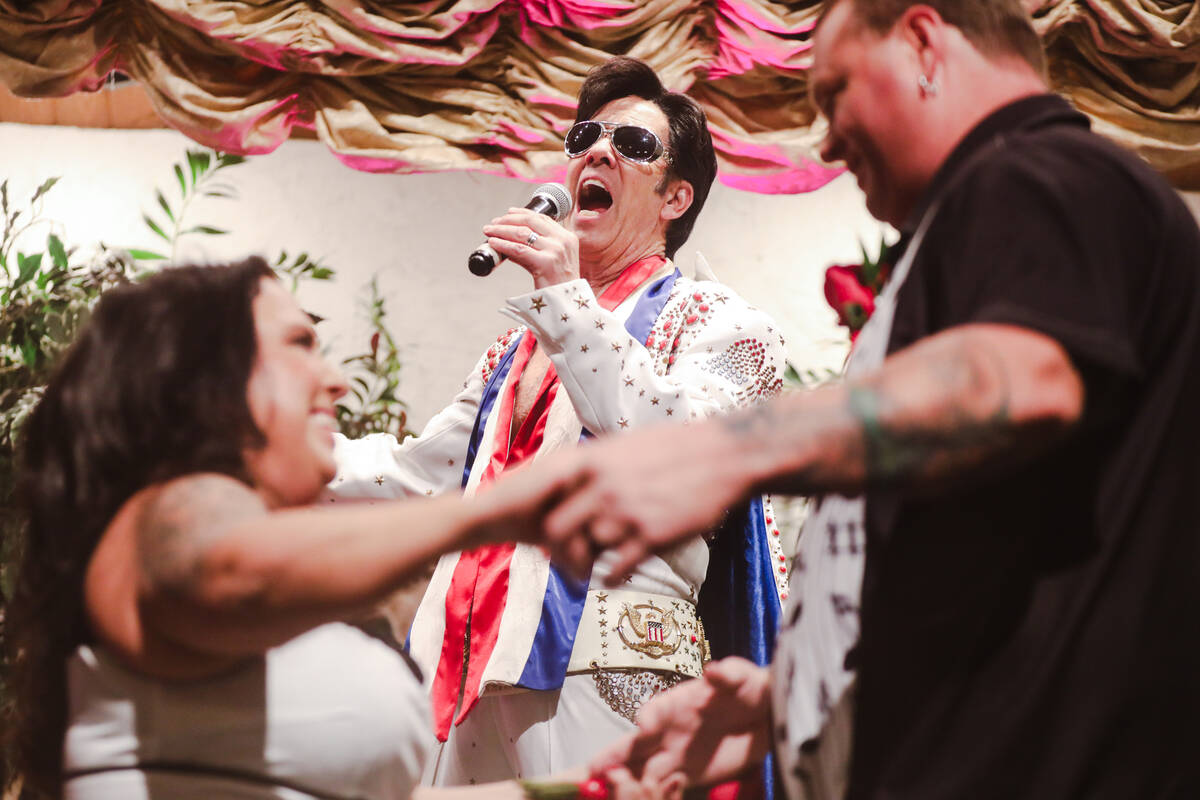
{"x": 514, "y": 507}
{"x": 701, "y": 732}
{"x": 546, "y": 250}
{"x": 645, "y": 493}
{"x": 951, "y": 408}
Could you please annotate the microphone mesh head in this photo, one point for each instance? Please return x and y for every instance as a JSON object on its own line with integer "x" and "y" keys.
{"x": 557, "y": 194}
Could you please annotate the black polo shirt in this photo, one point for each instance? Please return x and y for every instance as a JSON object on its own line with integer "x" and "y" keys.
{"x": 1036, "y": 634}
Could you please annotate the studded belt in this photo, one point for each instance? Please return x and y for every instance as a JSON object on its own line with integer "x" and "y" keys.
{"x": 623, "y": 629}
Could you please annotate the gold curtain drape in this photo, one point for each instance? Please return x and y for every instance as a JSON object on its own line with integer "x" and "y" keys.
{"x": 490, "y": 84}
{"x": 1133, "y": 66}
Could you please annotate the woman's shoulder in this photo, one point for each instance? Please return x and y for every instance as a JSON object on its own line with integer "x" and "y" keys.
{"x": 192, "y": 495}
{"x": 145, "y": 544}
{"x": 196, "y": 491}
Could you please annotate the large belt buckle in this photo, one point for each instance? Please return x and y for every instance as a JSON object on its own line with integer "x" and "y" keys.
{"x": 650, "y": 630}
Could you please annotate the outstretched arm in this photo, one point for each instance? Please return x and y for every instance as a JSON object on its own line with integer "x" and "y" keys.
{"x": 198, "y": 572}
{"x": 377, "y": 466}
{"x": 949, "y": 408}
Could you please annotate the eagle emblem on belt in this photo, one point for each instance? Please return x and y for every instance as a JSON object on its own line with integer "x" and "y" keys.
{"x": 649, "y": 630}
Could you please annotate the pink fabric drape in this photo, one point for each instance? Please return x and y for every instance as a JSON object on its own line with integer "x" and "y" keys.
{"x": 490, "y": 84}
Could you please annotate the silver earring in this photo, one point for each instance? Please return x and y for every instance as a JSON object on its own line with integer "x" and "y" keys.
{"x": 929, "y": 88}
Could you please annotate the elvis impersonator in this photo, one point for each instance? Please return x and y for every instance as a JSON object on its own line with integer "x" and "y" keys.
{"x": 530, "y": 671}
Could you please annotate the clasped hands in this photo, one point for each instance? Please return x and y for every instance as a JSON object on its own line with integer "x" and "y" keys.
{"x": 635, "y": 494}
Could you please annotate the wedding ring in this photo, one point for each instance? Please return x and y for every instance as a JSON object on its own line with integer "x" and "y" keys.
{"x": 533, "y": 237}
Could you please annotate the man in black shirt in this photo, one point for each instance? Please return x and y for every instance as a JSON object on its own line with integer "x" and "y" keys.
{"x": 1026, "y": 453}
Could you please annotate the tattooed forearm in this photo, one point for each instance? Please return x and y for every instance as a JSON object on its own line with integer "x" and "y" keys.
{"x": 951, "y": 405}
{"x": 968, "y": 397}
{"x": 972, "y": 422}
{"x": 759, "y": 420}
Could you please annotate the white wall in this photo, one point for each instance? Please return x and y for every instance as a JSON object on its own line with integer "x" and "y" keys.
{"x": 415, "y": 232}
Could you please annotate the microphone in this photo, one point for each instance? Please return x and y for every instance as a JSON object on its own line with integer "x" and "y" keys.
{"x": 550, "y": 199}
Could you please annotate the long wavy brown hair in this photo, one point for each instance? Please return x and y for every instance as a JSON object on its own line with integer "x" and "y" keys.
{"x": 154, "y": 388}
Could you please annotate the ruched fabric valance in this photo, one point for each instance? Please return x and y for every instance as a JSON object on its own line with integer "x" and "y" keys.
{"x": 1133, "y": 66}
{"x": 490, "y": 84}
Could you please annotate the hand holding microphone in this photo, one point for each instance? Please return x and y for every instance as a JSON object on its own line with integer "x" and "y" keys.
{"x": 532, "y": 238}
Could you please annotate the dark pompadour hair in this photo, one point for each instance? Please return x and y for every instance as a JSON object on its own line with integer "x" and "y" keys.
{"x": 690, "y": 145}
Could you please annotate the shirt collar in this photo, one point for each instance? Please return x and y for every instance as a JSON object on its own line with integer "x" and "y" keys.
{"x": 1025, "y": 114}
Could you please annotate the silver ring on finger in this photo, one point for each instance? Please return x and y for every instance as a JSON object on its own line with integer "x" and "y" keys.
{"x": 532, "y": 240}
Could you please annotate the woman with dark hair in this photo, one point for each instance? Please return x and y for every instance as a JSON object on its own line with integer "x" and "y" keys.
{"x": 174, "y": 629}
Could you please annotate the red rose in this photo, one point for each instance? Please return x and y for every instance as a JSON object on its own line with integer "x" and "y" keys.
{"x": 853, "y": 302}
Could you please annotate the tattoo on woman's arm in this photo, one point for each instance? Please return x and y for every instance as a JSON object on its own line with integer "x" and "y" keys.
{"x": 184, "y": 518}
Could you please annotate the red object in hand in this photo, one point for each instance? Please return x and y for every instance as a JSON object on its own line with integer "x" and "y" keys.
{"x": 594, "y": 789}
{"x": 853, "y": 302}
{"x": 725, "y": 791}
{"x": 730, "y": 790}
